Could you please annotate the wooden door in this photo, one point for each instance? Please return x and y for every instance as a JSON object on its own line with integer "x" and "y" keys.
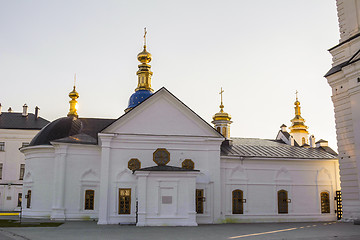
{"x": 282, "y": 202}
{"x": 237, "y": 199}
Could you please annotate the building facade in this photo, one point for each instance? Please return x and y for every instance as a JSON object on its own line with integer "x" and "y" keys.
{"x": 162, "y": 164}
{"x": 16, "y": 131}
{"x": 344, "y": 79}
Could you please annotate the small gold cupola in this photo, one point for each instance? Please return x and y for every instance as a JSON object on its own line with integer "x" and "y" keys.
{"x": 221, "y": 120}
{"x": 143, "y": 89}
{"x": 73, "y": 102}
{"x": 144, "y": 73}
{"x": 298, "y": 128}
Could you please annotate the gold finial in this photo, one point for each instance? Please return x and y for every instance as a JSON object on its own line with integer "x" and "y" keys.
{"x": 221, "y": 120}
{"x": 145, "y": 32}
{"x": 144, "y": 73}
{"x": 73, "y": 102}
{"x": 298, "y": 123}
{"x": 221, "y": 105}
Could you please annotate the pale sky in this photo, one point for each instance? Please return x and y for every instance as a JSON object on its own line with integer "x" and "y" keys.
{"x": 259, "y": 51}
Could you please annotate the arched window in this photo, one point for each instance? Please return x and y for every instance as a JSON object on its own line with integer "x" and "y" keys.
{"x": 282, "y": 202}
{"x": 218, "y": 129}
{"x": 188, "y": 164}
{"x": 89, "y": 199}
{"x": 303, "y": 141}
{"x": 28, "y": 199}
{"x": 224, "y": 131}
{"x": 325, "y": 202}
{"x": 237, "y": 202}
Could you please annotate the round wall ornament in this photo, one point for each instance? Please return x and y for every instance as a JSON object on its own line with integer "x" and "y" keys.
{"x": 161, "y": 156}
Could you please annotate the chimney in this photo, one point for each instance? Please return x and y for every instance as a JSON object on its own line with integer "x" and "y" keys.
{"x": 25, "y": 110}
{"x": 0, "y": 108}
{"x": 322, "y": 143}
{"x": 9, "y": 110}
{"x": 37, "y": 112}
{"x": 292, "y": 141}
{"x": 312, "y": 141}
{"x": 283, "y": 128}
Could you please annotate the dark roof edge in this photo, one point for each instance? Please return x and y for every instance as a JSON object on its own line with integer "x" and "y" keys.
{"x": 347, "y": 40}
{"x": 339, "y": 67}
{"x": 71, "y": 142}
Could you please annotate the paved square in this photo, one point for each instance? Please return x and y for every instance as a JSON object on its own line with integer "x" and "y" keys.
{"x": 90, "y": 231}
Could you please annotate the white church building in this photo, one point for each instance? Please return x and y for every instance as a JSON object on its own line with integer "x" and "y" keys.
{"x": 162, "y": 164}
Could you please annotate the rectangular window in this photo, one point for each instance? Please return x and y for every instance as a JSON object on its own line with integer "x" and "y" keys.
{"x": 28, "y": 199}
{"x": 124, "y": 200}
{"x": 2, "y": 146}
{"x": 19, "y": 199}
{"x": 22, "y": 171}
{"x": 89, "y": 199}
{"x": 1, "y": 170}
{"x": 199, "y": 198}
{"x": 25, "y": 144}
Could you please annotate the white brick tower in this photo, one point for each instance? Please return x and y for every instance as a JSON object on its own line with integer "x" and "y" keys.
{"x": 344, "y": 79}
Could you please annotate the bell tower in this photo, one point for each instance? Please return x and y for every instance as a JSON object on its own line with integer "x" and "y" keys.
{"x": 344, "y": 79}
{"x": 221, "y": 120}
{"x": 298, "y": 129}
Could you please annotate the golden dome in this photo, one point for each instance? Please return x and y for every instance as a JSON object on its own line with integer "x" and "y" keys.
{"x": 222, "y": 116}
{"x": 74, "y": 94}
{"x": 144, "y": 56}
{"x": 73, "y": 103}
{"x": 298, "y": 123}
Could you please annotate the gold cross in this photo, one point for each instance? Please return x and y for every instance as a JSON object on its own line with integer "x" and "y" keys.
{"x": 296, "y": 95}
{"x": 221, "y": 92}
{"x": 145, "y": 32}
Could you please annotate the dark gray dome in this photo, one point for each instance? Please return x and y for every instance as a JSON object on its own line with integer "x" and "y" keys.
{"x": 60, "y": 128}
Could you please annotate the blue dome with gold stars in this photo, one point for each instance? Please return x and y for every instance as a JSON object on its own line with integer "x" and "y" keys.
{"x": 138, "y": 96}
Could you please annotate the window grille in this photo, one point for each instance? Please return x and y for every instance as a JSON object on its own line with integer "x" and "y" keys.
{"x": 124, "y": 200}
{"x": 325, "y": 202}
{"x": 28, "y": 199}
{"x": 89, "y": 199}
{"x": 22, "y": 171}
{"x": 237, "y": 199}
{"x": 200, "y": 199}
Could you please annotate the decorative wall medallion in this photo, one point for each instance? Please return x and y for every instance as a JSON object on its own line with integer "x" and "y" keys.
{"x": 161, "y": 156}
{"x": 134, "y": 164}
{"x": 188, "y": 164}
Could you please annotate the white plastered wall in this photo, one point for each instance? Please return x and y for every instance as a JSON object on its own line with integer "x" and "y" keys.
{"x": 260, "y": 180}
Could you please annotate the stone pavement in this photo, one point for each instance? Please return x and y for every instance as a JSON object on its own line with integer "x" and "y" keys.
{"x": 249, "y": 231}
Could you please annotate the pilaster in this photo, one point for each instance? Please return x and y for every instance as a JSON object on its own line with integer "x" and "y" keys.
{"x": 105, "y": 141}
{"x": 58, "y": 207}
{"x": 142, "y": 195}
